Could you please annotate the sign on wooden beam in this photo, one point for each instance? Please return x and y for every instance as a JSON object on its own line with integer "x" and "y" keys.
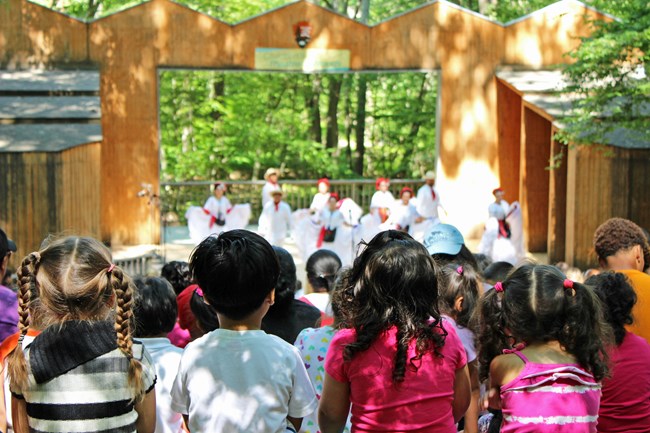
{"x": 304, "y": 60}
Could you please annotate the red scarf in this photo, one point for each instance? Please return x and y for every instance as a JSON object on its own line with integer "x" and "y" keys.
{"x": 433, "y": 193}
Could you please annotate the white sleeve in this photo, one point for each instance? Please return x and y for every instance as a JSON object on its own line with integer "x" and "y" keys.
{"x": 180, "y": 398}
{"x": 303, "y": 400}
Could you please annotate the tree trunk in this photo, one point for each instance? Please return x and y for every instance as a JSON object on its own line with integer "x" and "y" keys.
{"x": 312, "y": 100}
{"x": 332, "y": 111}
{"x": 361, "y": 124}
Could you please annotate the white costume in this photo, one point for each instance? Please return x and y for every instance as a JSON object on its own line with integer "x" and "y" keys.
{"x": 494, "y": 243}
{"x": 371, "y": 224}
{"x": 206, "y": 220}
{"x": 319, "y": 202}
{"x": 275, "y": 222}
{"x": 381, "y": 199}
{"x": 402, "y": 216}
{"x": 242, "y": 381}
{"x": 166, "y": 357}
{"x": 427, "y": 205}
{"x": 267, "y": 189}
{"x": 307, "y": 228}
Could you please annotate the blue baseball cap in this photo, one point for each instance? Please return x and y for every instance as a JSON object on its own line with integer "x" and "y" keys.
{"x": 443, "y": 239}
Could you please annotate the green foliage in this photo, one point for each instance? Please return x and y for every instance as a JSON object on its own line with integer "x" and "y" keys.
{"x": 610, "y": 78}
{"x": 217, "y": 125}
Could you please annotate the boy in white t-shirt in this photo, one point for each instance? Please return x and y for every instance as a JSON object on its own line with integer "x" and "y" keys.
{"x": 238, "y": 378}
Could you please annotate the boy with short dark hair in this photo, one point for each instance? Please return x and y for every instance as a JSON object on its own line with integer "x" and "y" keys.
{"x": 238, "y": 378}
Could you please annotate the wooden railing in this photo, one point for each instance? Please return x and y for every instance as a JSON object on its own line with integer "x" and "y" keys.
{"x": 176, "y": 197}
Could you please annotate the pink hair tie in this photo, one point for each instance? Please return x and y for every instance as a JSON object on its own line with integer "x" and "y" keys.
{"x": 199, "y": 292}
{"x": 110, "y": 268}
{"x": 459, "y": 270}
{"x": 568, "y": 284}
{"x": 498, "y": 287}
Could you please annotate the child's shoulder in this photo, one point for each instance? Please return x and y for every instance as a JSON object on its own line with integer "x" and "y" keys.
{"x": 505, "y": 368}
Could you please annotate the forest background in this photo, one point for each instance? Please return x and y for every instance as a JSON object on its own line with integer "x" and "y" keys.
{"x": 234, "y": 124}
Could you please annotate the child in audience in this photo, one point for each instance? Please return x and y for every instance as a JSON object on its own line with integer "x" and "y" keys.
{"x": 457, "y": 299}
{"x": 86, "y": 347}
{"x": 238, "y": 378}
{"x": 321, "y": 269}
{"x": 398, "y": 365}
{"x": 204, "y": 315}
{"x": 552, "y": 335}
{"x": 313, "y": 344}
{"x": 288, "y": 316}
{"x": 625, "y": 403}
{"x": 155, "y": 314}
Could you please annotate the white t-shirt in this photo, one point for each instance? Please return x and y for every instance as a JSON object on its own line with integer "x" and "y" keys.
{"x": 166, "y": 358}
{"x": 242, "y": 381}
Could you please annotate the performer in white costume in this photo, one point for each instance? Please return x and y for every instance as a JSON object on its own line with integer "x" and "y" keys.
{"x": 275, "y": 220}
{"x": 320, "y": 198}
{"x": 502, "y": 239}
{"x": 428, "y": 205}
{"x": 217, "y": 215}
{"x": 403, "y": 214}
{"x": 271, "y": 177}
{"x": 380, "y": 205}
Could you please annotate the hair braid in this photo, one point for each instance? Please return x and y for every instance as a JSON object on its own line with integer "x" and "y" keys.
{"x": 123, "y": 290}
{"x": 17, "y": 365}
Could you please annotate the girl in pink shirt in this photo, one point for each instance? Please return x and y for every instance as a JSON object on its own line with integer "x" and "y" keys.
{"x": 625, "y": 404}
{"x": 397, "y": 364}
{"x": 552, "y": 334}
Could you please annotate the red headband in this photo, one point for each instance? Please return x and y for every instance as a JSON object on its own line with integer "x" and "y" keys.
{"x": 380, "y": 180}
{"x": 324, "y": 180}
{"x": 406, "y": 189}
{"x": 335, "y": 195}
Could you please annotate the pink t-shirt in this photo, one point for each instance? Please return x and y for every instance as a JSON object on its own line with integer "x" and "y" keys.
{"x": 625, "y": 403}
{"x": 421, "y": 403}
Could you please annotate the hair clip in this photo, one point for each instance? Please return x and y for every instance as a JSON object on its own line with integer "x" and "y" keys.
{"x": 498, "y": 287}
{"x": 199, "y": 292}
{"x": 110, "y": 268}
{"x": 459, "y": 270}
{"x": 568, "y": 284}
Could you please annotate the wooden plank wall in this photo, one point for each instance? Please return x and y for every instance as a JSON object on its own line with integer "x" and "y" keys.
{"x": 130, "y": 46}
{"x": 49, "y": 193}
{"x": 534, "y": 179}
{"x": 509, "y": 135}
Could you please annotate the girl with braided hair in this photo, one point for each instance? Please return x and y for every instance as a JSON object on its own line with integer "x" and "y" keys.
{"x": 542, "y": 344}
{"x": 398, "y": 365}
{"x": 83, "y": 372}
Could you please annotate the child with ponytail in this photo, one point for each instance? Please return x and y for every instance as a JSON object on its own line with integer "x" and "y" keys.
{"x": 83, "y": 372}
{"x": 542, "y": 343}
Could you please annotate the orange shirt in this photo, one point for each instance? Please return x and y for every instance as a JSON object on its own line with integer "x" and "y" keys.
{"x": 10, "y": 343}
{"x": 641, "y": 311}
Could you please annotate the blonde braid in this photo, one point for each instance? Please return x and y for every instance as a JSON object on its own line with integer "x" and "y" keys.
{"x": 123, "y": 289}
{"x": 17, "y": 365}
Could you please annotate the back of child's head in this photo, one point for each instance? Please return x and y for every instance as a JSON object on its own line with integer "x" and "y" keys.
{"x": 482, "y": 261}
{"x": 538, "y": 304}
{"x": 321, "y": 268}
{"x": 178, "y": 275}
{"x": 287, "y": 284}
{"x": 75, "y": 280}
{"x": 393, "y": 282}
{"x": 236, "y": 271}
{"x": 458, "y": 281}
{"x": 618, "y": 298}
{"x": 497, "y": 271}
{"x": 155, "y": 308}
{"x": 619, "y": 234}
{"x": 204, "y": 314}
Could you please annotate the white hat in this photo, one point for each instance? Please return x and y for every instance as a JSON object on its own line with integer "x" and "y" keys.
{"x": 430, "y": 175}
{"x": 271, "y": 171}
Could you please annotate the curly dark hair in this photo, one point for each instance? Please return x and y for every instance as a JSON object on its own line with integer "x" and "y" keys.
{"x": 393, "y": 282}
{"x": 536, "y": 307}
{"x": 618, "y": 297}
{"x": 618, "y": 234}
{"x": 178, "y": 274}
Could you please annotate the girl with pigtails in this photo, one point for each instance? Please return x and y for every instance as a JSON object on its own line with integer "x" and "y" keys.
{"x": 542, "y": 344}
{"x": 83, "y": 372}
